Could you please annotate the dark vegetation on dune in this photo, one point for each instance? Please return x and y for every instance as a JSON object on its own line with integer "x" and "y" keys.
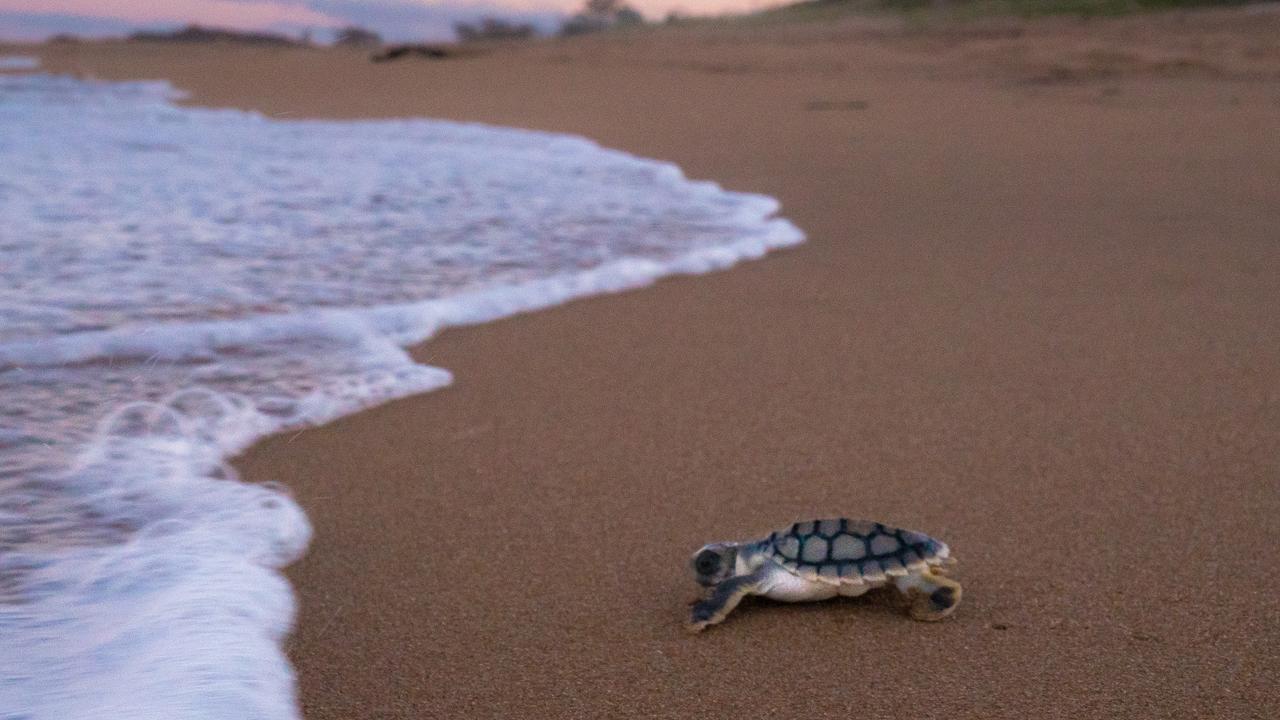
{"x": 493, "y": 29}
{"x": 200, "y": 34}
{"x": 1026, "y": 8}
{"x": 603, "y": 15}
{"x": 356, "y": 36}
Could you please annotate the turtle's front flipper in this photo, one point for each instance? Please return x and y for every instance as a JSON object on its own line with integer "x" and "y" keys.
{"x": 724, "y": 597}
{"x": 935, "y": 596}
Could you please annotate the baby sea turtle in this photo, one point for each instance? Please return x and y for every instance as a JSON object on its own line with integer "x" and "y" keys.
{"x": 820, "y": 559}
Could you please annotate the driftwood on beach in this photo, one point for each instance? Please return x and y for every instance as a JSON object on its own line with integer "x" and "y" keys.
{"x": 398, "y": 52}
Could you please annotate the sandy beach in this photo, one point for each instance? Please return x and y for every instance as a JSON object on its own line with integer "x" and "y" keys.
{"x": 1036, "y": 316}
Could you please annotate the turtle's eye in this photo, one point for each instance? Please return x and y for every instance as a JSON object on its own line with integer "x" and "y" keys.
{"x": 707, "y": 563}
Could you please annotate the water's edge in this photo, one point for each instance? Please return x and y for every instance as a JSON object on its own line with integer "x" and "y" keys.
{"x": 192, "y": 433}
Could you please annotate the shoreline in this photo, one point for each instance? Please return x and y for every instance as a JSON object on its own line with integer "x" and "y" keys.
{"x": 918, "y": 361}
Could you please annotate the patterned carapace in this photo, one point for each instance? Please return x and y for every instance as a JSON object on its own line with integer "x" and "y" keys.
{"x": 841, "y": 550}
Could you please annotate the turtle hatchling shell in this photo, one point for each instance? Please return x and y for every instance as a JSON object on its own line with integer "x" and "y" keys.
{"x": 852, "y": 551}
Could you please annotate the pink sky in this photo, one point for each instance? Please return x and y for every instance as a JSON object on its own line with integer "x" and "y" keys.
{"x": 35, "y": 18}
{"x": 237, "y": 13}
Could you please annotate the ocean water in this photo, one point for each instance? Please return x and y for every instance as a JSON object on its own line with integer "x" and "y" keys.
{"x": 176, "y": 283}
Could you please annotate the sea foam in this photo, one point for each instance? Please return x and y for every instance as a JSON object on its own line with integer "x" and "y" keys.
{"x": 19, "y": 62}
{"x": 176, "y": 283}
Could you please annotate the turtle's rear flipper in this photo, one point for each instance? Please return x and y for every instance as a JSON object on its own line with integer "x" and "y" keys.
{"x": 723, "y": 599}
{"x": 934, "y": 596}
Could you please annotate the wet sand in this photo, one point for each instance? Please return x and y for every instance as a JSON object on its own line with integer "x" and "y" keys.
{"x": 1038, "y": 315}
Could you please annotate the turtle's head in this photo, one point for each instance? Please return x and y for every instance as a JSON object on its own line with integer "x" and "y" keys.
{"x": 714, "y": 563}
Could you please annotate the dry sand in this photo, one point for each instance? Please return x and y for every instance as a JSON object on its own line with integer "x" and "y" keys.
{"x": 1038, "y": 316}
